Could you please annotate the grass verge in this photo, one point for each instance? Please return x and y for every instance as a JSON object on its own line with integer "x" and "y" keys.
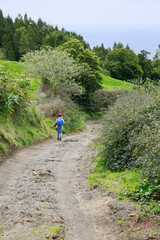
{"x": 109, "y": 83}
{"x": 121, "y": 184}
{"x": 15, "y": 71}
{"x": 23, "y": 129}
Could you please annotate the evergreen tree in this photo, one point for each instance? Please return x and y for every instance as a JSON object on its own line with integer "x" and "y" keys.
{"x": 101, "y": 52}
{"x": 127, "y": 47}
{"x": 1, "y": 26}
{"x": 118, "y": 45}
{"x": 123, "y": 64}
{"x": 7, "y": 39}
{"x": 146, "y": 64}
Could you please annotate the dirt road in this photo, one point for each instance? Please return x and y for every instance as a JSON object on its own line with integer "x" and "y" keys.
{"x": 44, "y": 187}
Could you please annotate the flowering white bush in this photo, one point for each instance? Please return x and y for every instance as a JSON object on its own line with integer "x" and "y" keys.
{"x": 57, "y": 68}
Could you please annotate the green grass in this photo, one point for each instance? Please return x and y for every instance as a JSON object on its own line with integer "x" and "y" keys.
{"x": 3, "y": 148}
{"x": 120, "y": 183}
{"x": 111, "y": 83}
{"x": 15, "y": 71}
{"x": 44, "y": 232}
{"x": 11, "y": 67}
{"x": 116, "y": 182}
{"x": 23, "y": 128}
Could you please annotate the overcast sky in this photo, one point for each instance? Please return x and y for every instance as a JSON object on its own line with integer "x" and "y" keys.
{"x": 96, "y": 20}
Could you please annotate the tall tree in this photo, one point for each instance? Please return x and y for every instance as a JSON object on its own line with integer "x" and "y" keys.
{"x": 101, "y": 51}
{"x": 7, "y": 39}
{"x": 155, "y": 73}
{"x": 55, "y": 38}
{"x": 157, "y": 55}
{"x": 127, "y": 47}
{"x": 42, "y": 29}
{"x": 91, "y": 80}
{"x": 1, "y": 26}
{"x": 118, "y": 45}
{"x": 123, "y": 64}
{"x": 146, "y": 64}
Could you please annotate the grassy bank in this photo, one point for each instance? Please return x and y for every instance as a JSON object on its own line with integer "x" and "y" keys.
{"x": 21, "y": 123}
{"x": 24, "y": 128}
{"x": 15, "y": 71}
{"x": 109, "y": 83}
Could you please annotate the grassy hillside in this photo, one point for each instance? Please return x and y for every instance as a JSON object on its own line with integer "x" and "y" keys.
{"x": 11, "y": 67}
{"x": 15, "y": 71}
{"x": 25, "y": 124}
{"x": 112, "y": 84}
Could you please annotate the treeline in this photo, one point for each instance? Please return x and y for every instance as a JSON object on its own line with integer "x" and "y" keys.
{"x": 23, "y": 35}
{"x": 123, "y": 63}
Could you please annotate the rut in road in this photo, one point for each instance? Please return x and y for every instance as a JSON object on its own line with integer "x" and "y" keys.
{"x": 46, "y": 185}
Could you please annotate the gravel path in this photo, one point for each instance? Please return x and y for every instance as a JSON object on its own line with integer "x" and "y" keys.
{"x": 44, "y": 187}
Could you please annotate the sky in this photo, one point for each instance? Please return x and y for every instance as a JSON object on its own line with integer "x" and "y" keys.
{"x": 136, "y": 22}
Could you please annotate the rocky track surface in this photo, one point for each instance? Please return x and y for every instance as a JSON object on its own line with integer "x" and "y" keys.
{"x": 44, "y": 188}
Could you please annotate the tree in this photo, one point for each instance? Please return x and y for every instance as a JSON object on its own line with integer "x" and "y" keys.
{"x": 19, "y": 22}
{"x": 123, "y": 64}
{"x": 33, "y": 35}
{"x": 146, "y": 65}
{"x": 91, "y": 79}
{"x": 118, "y": 45}
{"x": 42, "y": 29}
{"x": 127, "y": 47}
{"x": 55, "y": 38}
{"x": 7, "y": 39}
{"x": 101, "y": 52}
{"x": 1, "y": 26}
{"x": 155, "y": 72}
{"x": 157, "y": 55}
{"x": 57, "y": 69}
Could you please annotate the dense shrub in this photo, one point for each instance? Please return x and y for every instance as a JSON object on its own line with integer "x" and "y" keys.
{"x": 105, "y": 98}
{"x": 74, "y": 120}
{"x": 123, "y": 64}
{"x": 12, "y": 96}
{"x": 23, "y": 128}
{"x": 130, "y": 136}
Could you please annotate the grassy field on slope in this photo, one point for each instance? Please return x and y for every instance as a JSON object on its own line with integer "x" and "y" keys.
{"x": 15, "y": 71}
{"x": 28, "y": 124}
{"x": 11, "y": 67}
{"x": 112, "y": 83}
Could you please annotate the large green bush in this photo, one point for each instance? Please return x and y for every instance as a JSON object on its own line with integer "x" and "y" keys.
{"x": 12, "y": 96}
{"x": 105, "y": 98}
{"x": 130, "y": 137}
{"x": 123, "y": 64}
{"x": 74, "y": 120}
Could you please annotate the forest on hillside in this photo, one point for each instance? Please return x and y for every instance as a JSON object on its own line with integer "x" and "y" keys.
{"x": 21, "y": 35}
